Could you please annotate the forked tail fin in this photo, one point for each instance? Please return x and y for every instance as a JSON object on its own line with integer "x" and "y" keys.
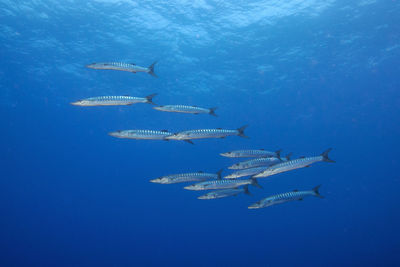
{"x": 151, "y": 69}
{"x": 219, "y": 174}
{"x": 278, "y": 154}
{"x": 315, "y": 190}
{"x": 246, "y": 190}
{"x": 149, "y": 99}
{"x": 325, "y": 156}
{"x": 212, "y": 111}
{"x": 241, "y": 131}
{"x": 255, "y": 183}
{"x": 288, "y": 156}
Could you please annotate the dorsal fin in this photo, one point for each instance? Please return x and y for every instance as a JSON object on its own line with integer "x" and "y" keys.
{"x": 261, "y": 148}
{"x": 200, "y": 172}
{"x": 302, "y": 157}
{"x": 219, "y": 128}
{"x": 132, "y": 63}
{"x": 126, "y": 95}
{"x": 295, "y": 190}
{"x": 164, "y": 131}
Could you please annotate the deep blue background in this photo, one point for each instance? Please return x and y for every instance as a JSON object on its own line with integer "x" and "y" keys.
{"x": 305, "y": 76}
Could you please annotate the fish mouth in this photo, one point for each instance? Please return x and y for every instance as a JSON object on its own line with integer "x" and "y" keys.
{"x": 76, "y": 103}
{"x": 202, "y": 197}
{"x": 254, "y": 206}
{"x": 157, "y": 181}
{"x": 115, "y": 134}
{"x": 190, "y": 187}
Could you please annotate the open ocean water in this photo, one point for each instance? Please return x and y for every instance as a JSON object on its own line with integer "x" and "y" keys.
{"x": 303, "y": 75}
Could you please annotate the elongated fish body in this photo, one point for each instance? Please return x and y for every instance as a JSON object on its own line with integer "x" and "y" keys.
{"x": 285, "y": 197}
{"x": 186, "y": 109}
{"x": 221, "y": 184}
{"x": 187, "y": 177}
{"x": 251, "y": 153}
{"x": 253, "y": 163}
{"x": 246, "y": 172}
{"x": 113, "y": 100}
{"x": 206, "y": 133}
{"x": 225, "y": 193}
{"x": 141, "y": 134}
{"x": 294, "y": 164}
{"x": 129, "y": 67}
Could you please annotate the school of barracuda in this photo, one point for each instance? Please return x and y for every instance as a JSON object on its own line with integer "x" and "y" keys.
{"x": 261, "y": 163}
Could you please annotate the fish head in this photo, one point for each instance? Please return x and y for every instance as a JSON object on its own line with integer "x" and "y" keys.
{"x": 206, "y": 196}
{"x": 161, "y": 180}
{"x": 193, "y": 187}
{"x": 257, "y": 205}
{"x": 262, "y": 204}
{"x": 119, "y": 134}
{"x": 95, "y": 65}
{"x": 254, "y": 206}
{"x": 235, "y": 166}
{"x": 82, "y": 102}
{"x": 227, "y": 154}
{"x": 161, "y": 108}
{"x": 230, "y": 176}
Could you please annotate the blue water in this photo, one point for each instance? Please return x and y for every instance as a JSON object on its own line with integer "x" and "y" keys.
{"x": 304, "y": 75}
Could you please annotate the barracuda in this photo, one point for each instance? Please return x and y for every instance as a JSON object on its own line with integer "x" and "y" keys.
{"x": 129, "y": 67}
{"x": 186, "y": 109}
{"x": 253, "y": 163}
{"x": 141, "y": 134}
{"x": 253, "y": 153}
{"x": 246, "y": 172}
{"x": 207, "y": 133}
{"x": 285, "y": 197}
{"x": 222, "y": 184}
{"x": 226, "y": 193}
{"x": 187, "y": 177}
{"x": 113, "y": 100}
{"x": 294, "y": 164}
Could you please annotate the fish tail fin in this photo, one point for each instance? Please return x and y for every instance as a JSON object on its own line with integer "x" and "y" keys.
{"x": 241, "y": 131}
{"x": 189, "y": 141}
{"x": 278, "y": 154}
{"x": 246, "y": 190}
{"x": 149, "y": 99}
{"x": 219, "y": 174}
{"x": 212, "y": 111}
{"x": 151, "y": 69}
{"x": 325, "y": 156}
{"x": 316, "y": 192}
{"x": 255, "y": 183}
{"x": 288, "y": 156}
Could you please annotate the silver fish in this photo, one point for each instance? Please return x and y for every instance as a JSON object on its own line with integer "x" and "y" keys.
{"x": 130, "y": 67}
{"x": 246, "y": 172}
{"x": 294, "y": 164}
{"x": 187, "y": 177}
{"x": 251, "y": 153}
{"x": 113, "y": 100}
{"x": 258, "y": 162}
{"x": 221, "y": 184}
{"x": 207, "y": 133}
{"x": 141, "y": 134}
{"x": 186, "y": 109}
{"x": 225, "y": 193}
{"x": 285, "y": 197}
